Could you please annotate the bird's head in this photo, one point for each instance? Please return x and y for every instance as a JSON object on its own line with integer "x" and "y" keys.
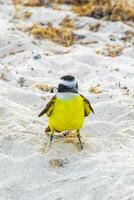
{"x": 68, "y": 83}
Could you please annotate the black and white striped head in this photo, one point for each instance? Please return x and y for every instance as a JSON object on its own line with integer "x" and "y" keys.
{"x": 68, "y": 84}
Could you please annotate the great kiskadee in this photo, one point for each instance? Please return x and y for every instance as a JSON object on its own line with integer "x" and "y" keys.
{"x": 67, "y": 109}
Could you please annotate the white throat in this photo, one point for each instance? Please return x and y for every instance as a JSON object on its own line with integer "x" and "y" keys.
{"x": 66, "y": 95}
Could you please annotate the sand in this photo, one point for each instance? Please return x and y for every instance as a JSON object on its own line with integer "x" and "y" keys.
{"x": 104, "y": 169}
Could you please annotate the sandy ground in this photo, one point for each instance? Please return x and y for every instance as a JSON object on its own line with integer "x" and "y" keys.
{"x": 104, "y": 169}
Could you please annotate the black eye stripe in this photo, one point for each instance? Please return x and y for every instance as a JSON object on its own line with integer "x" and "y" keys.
{"x": 65, "y": 88}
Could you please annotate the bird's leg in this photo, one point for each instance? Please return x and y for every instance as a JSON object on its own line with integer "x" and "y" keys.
{"x": 78, "y": 135}
{"x": 51, "y": 138}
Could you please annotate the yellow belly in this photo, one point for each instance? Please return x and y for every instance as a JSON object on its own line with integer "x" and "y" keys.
{"x": 67, "y": 114}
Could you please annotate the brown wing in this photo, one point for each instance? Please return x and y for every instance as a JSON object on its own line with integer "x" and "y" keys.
{"x": 87, "y": 106}
{"x": 49, "y": 107}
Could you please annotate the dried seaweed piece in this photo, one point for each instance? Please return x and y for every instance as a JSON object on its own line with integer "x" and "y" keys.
{"x": 84, "y": 10}
{"x": 113, "y": 50}
{"x": 101, "y": 11}
{"x": 42, "y": 86}
{"x": 119, "y": 10}
{"x": 67, "y": 23}
{"x": 56, "y": 162}
{"x": 125, "y": 90}
{"x": 95, "y": 90}
{"x": 63, "y": 36}
{"x": 88, "y": 42}
{"x": 33, "y": 3}
{"x": 128, "y": 36}
{"x": 94, "y": 27}
{"x": 2, "y": 76}
{"x": 94, "y": 8}
{"x": 16, "y": 51}
{"x": 16, "y": 4}
{"x": 26, "y": 15}
{"x": 69, "y": 1}
{"x": 122, "y": 11}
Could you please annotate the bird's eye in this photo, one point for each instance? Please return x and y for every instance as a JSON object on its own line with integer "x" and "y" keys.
{"x": 76, "y": 85}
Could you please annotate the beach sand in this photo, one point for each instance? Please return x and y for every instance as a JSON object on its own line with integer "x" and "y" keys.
{"x": 104, "y": 169}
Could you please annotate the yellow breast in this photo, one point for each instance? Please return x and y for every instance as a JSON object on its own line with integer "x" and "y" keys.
{"x": 67, "y": 114}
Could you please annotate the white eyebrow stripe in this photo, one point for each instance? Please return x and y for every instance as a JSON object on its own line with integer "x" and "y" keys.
{"x": 68, "y": 83}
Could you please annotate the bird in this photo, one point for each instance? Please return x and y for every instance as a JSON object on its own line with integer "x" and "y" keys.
{"x": 67, "y": 108}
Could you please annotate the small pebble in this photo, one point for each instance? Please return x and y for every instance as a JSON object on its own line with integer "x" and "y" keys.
{"x": 37, "y": 56}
